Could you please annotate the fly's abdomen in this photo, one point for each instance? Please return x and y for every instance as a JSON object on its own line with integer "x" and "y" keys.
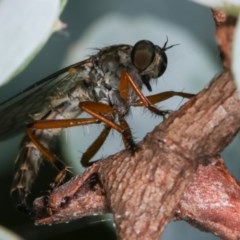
{"x": 28, "y": 162}
{"x": 33, "y": 152}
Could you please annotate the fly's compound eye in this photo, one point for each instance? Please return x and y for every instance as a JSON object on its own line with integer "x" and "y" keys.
{"x": 143, "y": 54}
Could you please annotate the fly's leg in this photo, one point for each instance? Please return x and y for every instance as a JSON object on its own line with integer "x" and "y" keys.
{"x": 63, "y": 123}
{"x": 159, "y": 97}
{"x": 53, "y": 159}
{"x": 124, "y": 125}
{"x": 94, "y": 147}
{"x": 148, "y": 101}
{"x": 29, "y": 158}
{"x": 101, "y": 111}
{"x": 125, "y": 82}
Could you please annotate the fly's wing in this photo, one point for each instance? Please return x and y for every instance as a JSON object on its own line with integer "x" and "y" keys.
{"x": 16, "y": 112}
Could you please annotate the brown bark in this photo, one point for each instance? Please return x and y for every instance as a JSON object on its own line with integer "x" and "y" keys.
{"x": 176, "y": 172}
{"x": 211, "y": 201}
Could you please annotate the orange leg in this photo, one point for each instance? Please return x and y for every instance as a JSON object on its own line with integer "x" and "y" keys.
{"x": 100, "y": 111}
{"x": 159, "y": 97}
{"x": 145, "y": 102}
{"x": 148, "y": 101}
{"x": 47, "y": 124}
{"x": 129, "y": 142}
{"x": 94, "y": 147}
{"x": 124, "y": 85}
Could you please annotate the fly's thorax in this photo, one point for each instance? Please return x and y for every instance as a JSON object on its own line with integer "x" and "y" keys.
{"x": 108, "y": 67}
{"x": 109, "y": 62}
{"x": 111, "y": 58}
{"x": 112, "y": 64}
{"x": 107, "y": 90}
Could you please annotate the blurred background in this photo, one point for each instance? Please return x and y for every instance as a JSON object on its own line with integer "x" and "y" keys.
{"x": 95, "y": 24}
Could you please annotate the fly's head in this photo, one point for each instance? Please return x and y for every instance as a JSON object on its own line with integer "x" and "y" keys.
{"x": 150, "y": 60}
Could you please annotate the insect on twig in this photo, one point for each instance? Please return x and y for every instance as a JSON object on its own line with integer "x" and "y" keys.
{"x": 105, "y": 86}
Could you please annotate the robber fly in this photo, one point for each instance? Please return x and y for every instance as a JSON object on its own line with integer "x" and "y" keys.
{"x": 105, "y": 86}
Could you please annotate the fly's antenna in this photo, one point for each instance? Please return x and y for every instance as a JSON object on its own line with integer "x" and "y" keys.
{"x": 164, "y": 48}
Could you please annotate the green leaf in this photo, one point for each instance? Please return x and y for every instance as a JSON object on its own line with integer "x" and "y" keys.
{"x": 25, "y": 31}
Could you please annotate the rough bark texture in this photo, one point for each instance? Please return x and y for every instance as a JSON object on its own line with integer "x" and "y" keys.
{"x": 175, "y": 173}
{"x": 147, "y": 187}
{"x": 211, "y": 201}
